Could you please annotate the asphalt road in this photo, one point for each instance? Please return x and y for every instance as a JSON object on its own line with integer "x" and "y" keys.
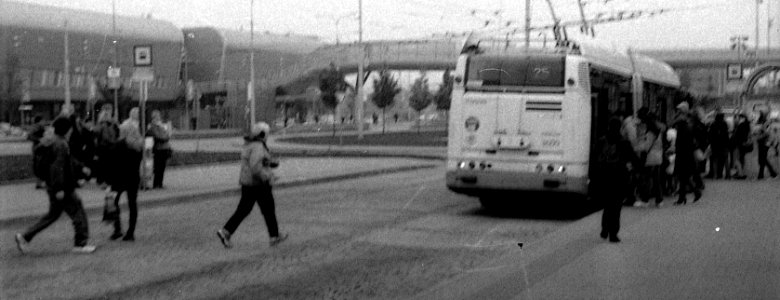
{"x": 389, "y": 236}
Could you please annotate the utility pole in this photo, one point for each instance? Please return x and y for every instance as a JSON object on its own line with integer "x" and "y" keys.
{"x": 67, "y": 67}
{"x": 116, "y": 59}
{"x": 527, "y": 24}
{"x": 359, "y": 100}
{"x": 758, "y": 2}
{"x": 251, "y": 90}
{"x": 769, "y": 20}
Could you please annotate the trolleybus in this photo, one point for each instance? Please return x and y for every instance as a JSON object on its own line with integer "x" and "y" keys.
{"x": 525, "y": 117}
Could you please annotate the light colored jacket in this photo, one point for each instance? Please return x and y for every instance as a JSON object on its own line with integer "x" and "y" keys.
{"x": 255, "y": 165}
{"x": 130, "y": 132}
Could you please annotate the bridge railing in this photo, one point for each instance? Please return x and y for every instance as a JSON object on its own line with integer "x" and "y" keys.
{"x": 376, "y": 53}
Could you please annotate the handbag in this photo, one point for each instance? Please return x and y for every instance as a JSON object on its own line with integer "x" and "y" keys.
{"x": 110, "y": 210}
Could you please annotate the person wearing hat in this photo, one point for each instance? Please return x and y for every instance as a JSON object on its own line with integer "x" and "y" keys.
{"x": 685, "y": 163}
{"x": 256, "y": 179}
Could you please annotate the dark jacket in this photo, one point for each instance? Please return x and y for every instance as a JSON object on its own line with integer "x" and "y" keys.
{"x": 685, "y": 145}
{"x": 719, "y": 134}
{"x": 741, "y": 134}
{"x": 36, "y": 133}
{"x": 63, "y": 169}
{"x": 161, "y": 137}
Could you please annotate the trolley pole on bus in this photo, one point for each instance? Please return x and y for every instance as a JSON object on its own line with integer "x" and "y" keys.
{"x": 251, "y": 89}
{"x": 67, "y": 68}
{"x": 527, "y": 24}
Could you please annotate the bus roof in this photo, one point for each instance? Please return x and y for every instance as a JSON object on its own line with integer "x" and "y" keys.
{"x": 600, "y": 54}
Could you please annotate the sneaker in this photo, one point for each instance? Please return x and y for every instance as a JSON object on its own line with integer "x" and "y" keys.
{"x": 278, "y": 239}
{"x": 86, "y": 249}
{"x": 115, "y": 236}
{"x": 21, "y": 243}
{"x": 640, "y": 204}
{"x": 224, "y": 237}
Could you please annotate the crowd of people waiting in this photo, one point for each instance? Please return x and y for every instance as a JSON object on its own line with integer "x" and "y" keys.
{"x": 655, "y": 160}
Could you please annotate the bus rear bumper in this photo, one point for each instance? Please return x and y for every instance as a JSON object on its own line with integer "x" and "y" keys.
{"x": 477, "y": 183}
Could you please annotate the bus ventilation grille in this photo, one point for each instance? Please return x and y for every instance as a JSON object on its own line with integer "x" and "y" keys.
{"x": 543, "y": 106}
{"x": 584, "y": 76}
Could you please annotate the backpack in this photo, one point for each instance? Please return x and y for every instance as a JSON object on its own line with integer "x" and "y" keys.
{"x": 43, "y": 157}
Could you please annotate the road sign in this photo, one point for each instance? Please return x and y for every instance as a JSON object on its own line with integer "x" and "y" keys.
{"x": 734, "y": 72}
{"x": 143, "y": 74}
{"x": 142, "y": 55}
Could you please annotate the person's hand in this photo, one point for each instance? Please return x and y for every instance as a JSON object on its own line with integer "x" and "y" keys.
{"x": 86, "y": 171}
{"x": 60, "y": 195}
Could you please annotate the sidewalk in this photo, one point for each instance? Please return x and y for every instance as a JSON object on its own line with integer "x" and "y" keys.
{"x": 21, "y": 203}
{"x": 727, "y": 246}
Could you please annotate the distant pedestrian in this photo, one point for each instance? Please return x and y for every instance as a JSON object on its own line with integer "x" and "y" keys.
{"x": 161, "y": 133}
{"x": 628, "y": 130}
{"x": 701, "y": 139}
{"x": 35, "y": 134}
{"x": 651, "y": 145}
{"x": 256, "y": 179}
{"x": 128, "y": 177}
{"x": 764, "y": 141}
{"x": 719, "y": 147}
{"x": 614, "y": 163}
{"x": 685, "y": 165}
{"x": 741, "y": 144}
{"x": 61, "y": 188}
{"x": 106, "y": 134}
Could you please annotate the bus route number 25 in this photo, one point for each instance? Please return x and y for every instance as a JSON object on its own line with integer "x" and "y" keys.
{"x": 551, "y": 142}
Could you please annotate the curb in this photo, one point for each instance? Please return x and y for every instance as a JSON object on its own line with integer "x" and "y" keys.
{"x": 224, "y": 192}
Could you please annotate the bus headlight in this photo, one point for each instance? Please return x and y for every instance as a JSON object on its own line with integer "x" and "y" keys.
{"x": 462, "y": 165}
{"x": 561, "y": 169}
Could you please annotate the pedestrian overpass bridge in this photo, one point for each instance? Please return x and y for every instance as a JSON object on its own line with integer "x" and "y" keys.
{"x": 439, "y": 54}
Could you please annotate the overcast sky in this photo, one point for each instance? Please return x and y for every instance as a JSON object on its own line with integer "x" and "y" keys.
{"x": 685, "y": 24}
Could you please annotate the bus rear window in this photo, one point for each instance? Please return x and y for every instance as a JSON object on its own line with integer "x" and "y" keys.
{"x": 531, "y": 71}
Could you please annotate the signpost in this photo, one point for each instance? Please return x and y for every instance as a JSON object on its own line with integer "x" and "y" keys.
{"x": 143, "y": 74}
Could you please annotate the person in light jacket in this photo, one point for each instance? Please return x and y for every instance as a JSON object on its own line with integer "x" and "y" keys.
{"x": 256, "y": 180}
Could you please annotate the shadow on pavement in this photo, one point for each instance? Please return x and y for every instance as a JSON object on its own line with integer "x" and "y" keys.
{"x": 536, "y": 206}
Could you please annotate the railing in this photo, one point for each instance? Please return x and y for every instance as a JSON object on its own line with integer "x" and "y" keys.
{"x": 388, "y": 53}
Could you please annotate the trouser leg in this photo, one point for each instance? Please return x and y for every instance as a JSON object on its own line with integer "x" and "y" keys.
{"x": 132, "y": 206}
{"x": 268, "y": 209}
{"x": 118, "y": 221}
{"x": 75, "y": 210}
{"x": 160, "y": 160}
{"x": 55, "y": 210}
{"x": 245, "y": 204}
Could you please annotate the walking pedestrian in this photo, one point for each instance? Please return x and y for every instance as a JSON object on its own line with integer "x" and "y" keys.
{"x": 61, "y": 189}
{"x": 702, "y": 142}
{"x": 128, "y": 177}
{"x": 615, "y": 157}
{"x": 763, "y": 142}
{"x": 256, "y": 180}
{"x": 719, "y": 147}
{"x": 628, "y": 130}
{"x": 35, "y": 134}
{"x": 161, "y": 133}
{"x": 685, "y": 162}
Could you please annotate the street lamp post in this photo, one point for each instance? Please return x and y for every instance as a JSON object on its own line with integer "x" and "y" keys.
{"x": 251, "y": 89}
{"x": 359, "y": 100}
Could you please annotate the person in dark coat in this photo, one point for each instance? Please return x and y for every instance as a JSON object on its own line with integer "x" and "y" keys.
{"x": 719, "y": 147}
{"x": 106, "y": 134}
{"x": 614, "y": 164}
{"x": 35, "y": 134}
{"x": 740, "y": 143}
{"x": 61, "y": 188}
{"x": 128, "y": 175}
{"x": 685, "y": 161}
{"x": 161, "y": 148}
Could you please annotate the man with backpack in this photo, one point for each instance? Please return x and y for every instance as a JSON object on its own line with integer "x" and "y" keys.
{"x": 58, "y": 169}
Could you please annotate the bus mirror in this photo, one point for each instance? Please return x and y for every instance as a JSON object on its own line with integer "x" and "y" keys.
{"x": 458, "y": 79}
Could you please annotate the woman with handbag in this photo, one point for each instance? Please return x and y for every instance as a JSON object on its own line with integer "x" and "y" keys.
{"x": 256, "y": 179}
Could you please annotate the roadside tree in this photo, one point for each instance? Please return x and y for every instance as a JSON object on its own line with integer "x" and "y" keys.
{"x": 385, "y": 89}
{"x": 420, "y": 97}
